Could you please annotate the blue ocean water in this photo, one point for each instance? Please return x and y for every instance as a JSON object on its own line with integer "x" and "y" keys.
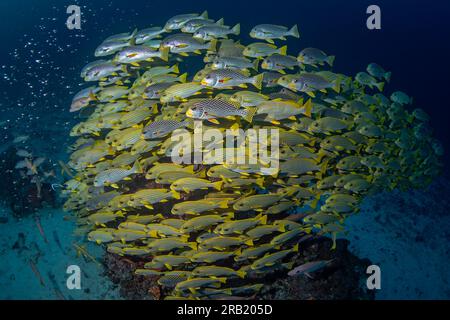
{"x": 40, "y": 58}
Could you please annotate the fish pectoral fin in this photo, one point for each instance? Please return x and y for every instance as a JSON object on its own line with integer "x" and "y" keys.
{"x": 215, "y": 121}
{"x": 225, "y": 80}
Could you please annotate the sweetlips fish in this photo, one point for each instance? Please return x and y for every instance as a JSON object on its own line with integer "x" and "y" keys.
{"x": 263, "y": 230}
{"x": 103, "y": 70}
{"x": 211, "y": 109}
{"x": 193, "y": 25}
{"x": 125, "y": 36}
{"x": 224, "y": 242}
{"x": 278, "y": 62}
{"x": 103, "y": 235}
{"x": 401, "y": 98}
{"x": 216, "y": 271}
{"x": 226, "y": 78}
{"x": 148, "y": 197}
{"x": 239, "y": 63}
{"x": 112, "y": 93}
{"x": 178, "y": 21}
{"x": 169, "y": 244}
{"x": 83, "y": 98}
{"x": 203, "y": 222}
{"x": 276, "y": 110}
{"x": 256, "y": 202}
{"x": 314, "y": 57}
{"x": 90, "y": 65}
{"x": 310, "y": 82}
{"x": 271, "y": 259}
{"x": 212, "y": 256}
{"x": 168, "y": 177}
{"x": 159, "y": 129}
{"x": 269, "y": 32}
{"x": 159, "y": 168}
{"x": 191, "y": 184}
{"x": 183, "y": 44}
{"x": 194, "y": 284}
{"x": 248, "y": 98}
{"x": 197, "y": 207}
{"x": 112, "y": 176}
{"x": 239, "y": 226}
{"x": 375, "y": 70}
{"x": 109, "y": 47}
{"x": 180, "y": 92}
{"x": 160, "y": 70}
{"x": 147, "y": 34}
{"x": 155, "y": 90}
{"x": 261, "y": 49}
{"x": 210, "y": 32}
{"x": 365, "y": 79}
{"x": 135, "y": 54}
{"x": 309, "y": 267}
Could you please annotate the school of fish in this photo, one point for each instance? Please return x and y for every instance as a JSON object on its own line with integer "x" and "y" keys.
{"x": 215, "y": 231}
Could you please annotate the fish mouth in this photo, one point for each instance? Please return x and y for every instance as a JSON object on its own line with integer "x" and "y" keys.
{"x": 264, "y": 65}
{"x": 190, "y": 113}
{"x": 292, "y": 86}
{"x": 203, "y": 83}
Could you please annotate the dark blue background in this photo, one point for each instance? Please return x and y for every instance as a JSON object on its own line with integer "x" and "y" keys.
{"x": 413, "y": 44}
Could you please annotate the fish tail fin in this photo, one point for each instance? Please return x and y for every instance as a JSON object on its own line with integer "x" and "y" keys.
{"x": 249, "y": 242}
{"x": 236, "y": 29}
{"x": 204, "y": 14}
{"x": 294, "y": 31}
{"x": 229, "y": 215}
{"x": 283, "y": 50}
{"x": 337, "y": 86}
{"x": 220, "y": 22}
{"x": 183, "y": 77}
{"x": 137, "y": 168}
{"x": 164, "y": 53}
{"x": 249, "y": 114}
{"x": 295, "y": 248}
{"x": 92, "y": 96}
{"x": 258, "y": 81}
{"x": 175, "y": 194}
{"x": 330, "y": 60}
{"x": 241, "y": 274}
{"x": 212, "y": 46}
{"x": 380, "y": 86}
{"x": 222, "y": 279}
{"x": 260, "y": 182}
{"x": 387, "y": 76}
{"x": 308, "y": 108}
{"x": 263, "y": 219}
{"x": 201, "y": 173}
{"x": 193, "y": 245}
{"x": 124, "y": 68}
{"x": 256, "y": 64}
{"x": 223, "y": 204}
{"x": 218, "y": 185}
{"x": 175, "y": 69}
